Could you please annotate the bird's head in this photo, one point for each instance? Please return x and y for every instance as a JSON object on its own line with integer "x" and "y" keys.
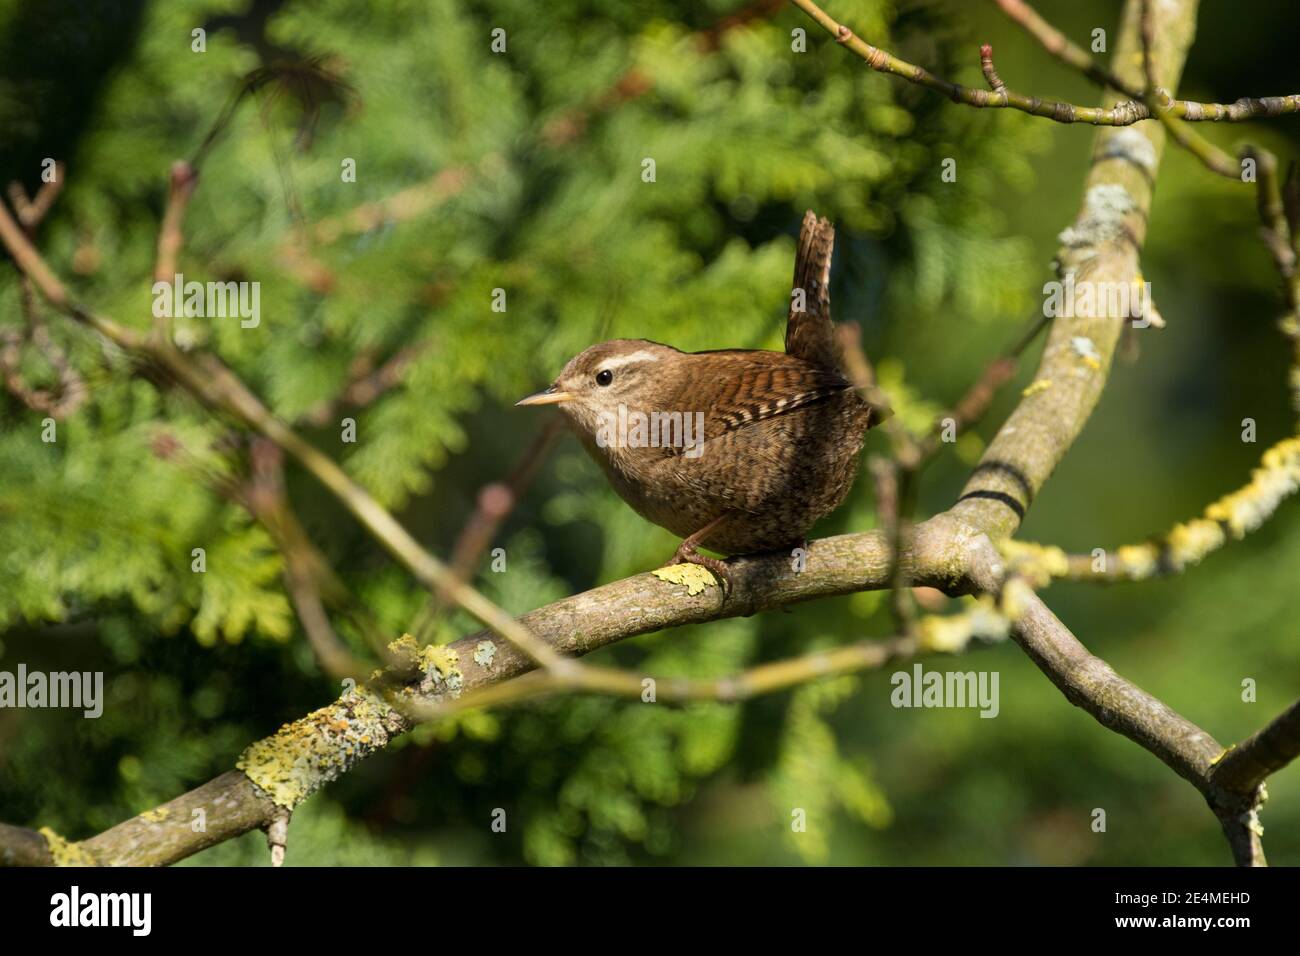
{"x": 628, "y": 372}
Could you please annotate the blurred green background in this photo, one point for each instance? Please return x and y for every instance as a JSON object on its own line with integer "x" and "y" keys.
{"x": 546, "y": 142}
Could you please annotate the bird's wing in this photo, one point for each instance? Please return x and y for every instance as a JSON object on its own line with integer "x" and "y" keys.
{"x": 744, "y": 387}
{"x": 809, "y": 334}
{"x": 766, "y": 392}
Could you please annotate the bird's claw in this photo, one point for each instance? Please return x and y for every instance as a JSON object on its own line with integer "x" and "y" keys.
{"x": 718, "y": 568}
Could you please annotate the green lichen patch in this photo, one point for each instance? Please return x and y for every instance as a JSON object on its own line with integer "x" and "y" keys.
{"x": 484, "y": 652}
{"x": 1104, "y": 207}
{"x": 155, "y": 816}
{"x": 1215, "y": 761}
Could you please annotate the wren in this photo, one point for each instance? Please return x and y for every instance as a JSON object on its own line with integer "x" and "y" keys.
{"x": 735, "y": 450}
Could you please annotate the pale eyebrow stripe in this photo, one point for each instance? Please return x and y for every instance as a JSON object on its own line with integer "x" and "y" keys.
{"x": 641, "y": 356}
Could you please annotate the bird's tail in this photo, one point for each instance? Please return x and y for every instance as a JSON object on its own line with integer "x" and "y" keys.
{"x": 808, "y": 332}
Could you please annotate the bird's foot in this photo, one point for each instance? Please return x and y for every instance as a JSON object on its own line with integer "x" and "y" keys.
{"x": 687, "y": 554}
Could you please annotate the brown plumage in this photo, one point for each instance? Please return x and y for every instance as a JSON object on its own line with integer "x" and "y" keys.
{"x": 741, "y": 450}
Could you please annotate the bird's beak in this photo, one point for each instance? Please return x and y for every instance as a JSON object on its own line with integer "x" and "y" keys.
{"x": 551, "y": 395}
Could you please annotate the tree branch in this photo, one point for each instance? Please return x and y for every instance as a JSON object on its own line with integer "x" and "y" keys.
{"x": 64, "y": 399}
{"x": 1098, "y": 251}
{"x": 1232, "y": 517}
{"x": 183, "y": 181}
{"x": 1124, "y": 113}
{"x": 1090, "y": 683}
{"x": 306, "y": 755}
{"x": 1246, "y": 766}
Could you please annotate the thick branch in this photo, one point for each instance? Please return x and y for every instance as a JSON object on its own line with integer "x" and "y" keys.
{"x": 1090, "y": 683}
{"x": 1099, "y": 251}
{"x": 307, "y": 757}
{"x": 935, "y": 555}
{"x": 22, "y": 847}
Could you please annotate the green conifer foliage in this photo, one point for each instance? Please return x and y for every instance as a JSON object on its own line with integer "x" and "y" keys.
{"x": 526, "y": 172}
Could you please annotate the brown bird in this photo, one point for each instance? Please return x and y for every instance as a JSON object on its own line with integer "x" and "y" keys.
{"x": 736, "y": 450}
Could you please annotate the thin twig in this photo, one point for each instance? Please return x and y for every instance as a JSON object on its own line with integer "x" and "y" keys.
{"x": 1121, "y": 114}
{"x": 70, "y": 392}
{"x": 1061, "y": 47}
{"x": 858, "y": 368}
{"x": 1274, "y": 227}
{"x": 266, "y": 499}
{"x": 990, "y": 71}
{"x": 365, "y": 387}
{"x": 181, "y": 185}
{"x": 32, "y": 212}
{"x": 756, "y": 681}
{"x": 1157, "y": 100}
{"x": 1057, "y": 44}
{"x": 889, "y": 483}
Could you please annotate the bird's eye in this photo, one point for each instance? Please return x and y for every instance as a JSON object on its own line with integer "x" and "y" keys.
{"x": 604, "y": 377}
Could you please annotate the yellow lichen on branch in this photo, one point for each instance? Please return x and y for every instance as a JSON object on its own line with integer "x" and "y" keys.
{"x": 303, "y": 756}
{"x": 64, "y": 852}
{"x": 1232, "y": 517}
{"x": 954, "y": 633}
{"x": 691, "y": 576}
